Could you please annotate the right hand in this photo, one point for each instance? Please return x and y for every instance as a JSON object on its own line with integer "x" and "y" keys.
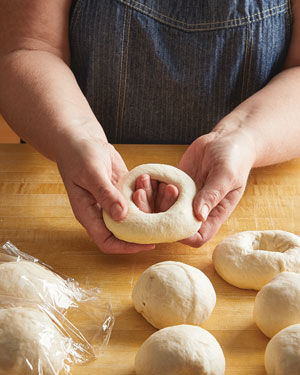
{"x": 90, "y": 169}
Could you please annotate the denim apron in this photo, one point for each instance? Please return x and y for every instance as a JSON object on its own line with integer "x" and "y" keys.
{"x": 166, "y": 71}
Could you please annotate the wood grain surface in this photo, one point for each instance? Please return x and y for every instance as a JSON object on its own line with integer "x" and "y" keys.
{"x": 6, "y": 133}
{"x": 36, "y": 216}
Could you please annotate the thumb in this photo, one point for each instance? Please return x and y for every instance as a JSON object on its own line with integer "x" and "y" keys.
{"x": 215, "y": 188}
{"x": 109, "y": 198}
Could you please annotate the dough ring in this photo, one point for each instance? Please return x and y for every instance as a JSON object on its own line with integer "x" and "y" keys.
{"x": 250, "y": 259}
{"x": 177, "y": 223}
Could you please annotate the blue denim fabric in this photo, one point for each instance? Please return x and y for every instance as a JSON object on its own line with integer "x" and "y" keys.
{"x": 166, "y": 71}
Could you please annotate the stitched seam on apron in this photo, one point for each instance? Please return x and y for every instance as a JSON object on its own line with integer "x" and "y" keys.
{"x": 289, "y": 16}
{"x": 121, "y": 73}
{"x": 206, "y": 26}
{"x": 245, "y": 64}
{"x": 76, "y": 13}
{"x": 125, "y": 77}
{"x": 206, "y": 23}
{"x": 250, "y": 61}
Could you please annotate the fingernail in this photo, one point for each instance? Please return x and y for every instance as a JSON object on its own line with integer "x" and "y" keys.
{"x": 204, "y": 212}
{"x": 146, "y": 182}
{"x": 116, "y": 211}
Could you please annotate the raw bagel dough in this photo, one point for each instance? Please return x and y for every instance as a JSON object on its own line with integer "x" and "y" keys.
{"x": 251, "y": 259}
{"x": 32, "y": 281}
{"x": 277, "y": 304}
{"x": 29, "y": 338}
{"x": 177, "y": 223}
{"x": 282, "y": 355}
{"x": 171, "y": 293}
{"x": 178, "y": 350}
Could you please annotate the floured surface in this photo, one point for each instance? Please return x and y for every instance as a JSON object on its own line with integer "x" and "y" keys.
{"x": 35, "y": 215}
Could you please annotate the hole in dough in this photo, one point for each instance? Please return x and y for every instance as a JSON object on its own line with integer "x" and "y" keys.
{"x": 156, "y": 192}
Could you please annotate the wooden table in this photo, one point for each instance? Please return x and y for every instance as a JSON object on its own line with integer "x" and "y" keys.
{"x": 36, "y": 216}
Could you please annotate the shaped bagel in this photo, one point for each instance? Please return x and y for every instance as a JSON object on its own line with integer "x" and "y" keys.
{"x": 250, "y": 259}
{"x": 177, "y": 223}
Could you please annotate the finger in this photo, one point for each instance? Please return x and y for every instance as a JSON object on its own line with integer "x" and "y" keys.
{"x": 193, "y": 241}
{"x": 159, "y": 196}
{"x": 170, "y": 195}
{"x": 139, "y": 198}
{"x": 216, "y": 218}
{"x": 112, "y": 245}
{"x": 209, "y": 228}
{"x": 215, "y": 188}
{"x": 107, "y": 195}
{"x": 88, "y": 212}
{"x": 146, "y": 183}
{"x": 107, "y": 242}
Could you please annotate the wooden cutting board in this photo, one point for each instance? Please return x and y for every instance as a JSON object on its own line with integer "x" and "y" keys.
{"x": 36, "y": 216}
{"x": 6, "y": 133}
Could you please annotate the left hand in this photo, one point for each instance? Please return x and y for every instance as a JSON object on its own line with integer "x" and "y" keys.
{"x": 219, "y": 164}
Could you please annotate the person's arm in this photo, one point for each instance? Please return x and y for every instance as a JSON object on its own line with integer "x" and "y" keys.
{"x": 263, "y": 130}
{"x": 41, "y": 101}
{"x": 39, "y": 95}
{"x": 271, "y": 117}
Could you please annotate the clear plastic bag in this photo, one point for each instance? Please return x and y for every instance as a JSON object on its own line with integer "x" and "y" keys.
{"x": 31, "y": 279}
{"x": 63, "y": 323}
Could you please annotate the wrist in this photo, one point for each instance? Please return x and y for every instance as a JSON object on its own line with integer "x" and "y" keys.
{"x": 76, "y": 136}
{"x": 234, "y": 130}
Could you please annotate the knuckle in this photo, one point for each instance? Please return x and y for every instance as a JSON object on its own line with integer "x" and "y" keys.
{"x": 221, "y": 210}
{"x": 230, "y": 173}
{"x": 103, "y": 192}
{"x": 197, "y": 243}
{"x": 234, "y": 178}
{"x": 104, "y": 249}
{"x": 213, "y": 196}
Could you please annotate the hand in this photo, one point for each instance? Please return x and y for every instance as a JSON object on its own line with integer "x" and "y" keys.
{"x": 220, "y": 164}
{"x": 90, "y": 169}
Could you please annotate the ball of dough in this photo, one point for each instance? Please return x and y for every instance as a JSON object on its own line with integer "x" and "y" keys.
{"x": 178, "y": 350}
{"x": 171, "y": 293}
{"x": 282, "y": 355}
{"x": 251, "y": 259}
{"x": 32, "y": 281}
{"x": 277, "y": 304}
{"x": 175, "y": 224}
{"x": 30, "y": 343}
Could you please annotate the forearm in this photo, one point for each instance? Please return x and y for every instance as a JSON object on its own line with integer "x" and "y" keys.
{"x": 270, "y": 119}
{"x": 40, "y": 99}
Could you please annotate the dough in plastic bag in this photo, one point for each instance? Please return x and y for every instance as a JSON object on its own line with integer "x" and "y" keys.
{"x": 32, "y": 281}
{"x": 30, "y": 343}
